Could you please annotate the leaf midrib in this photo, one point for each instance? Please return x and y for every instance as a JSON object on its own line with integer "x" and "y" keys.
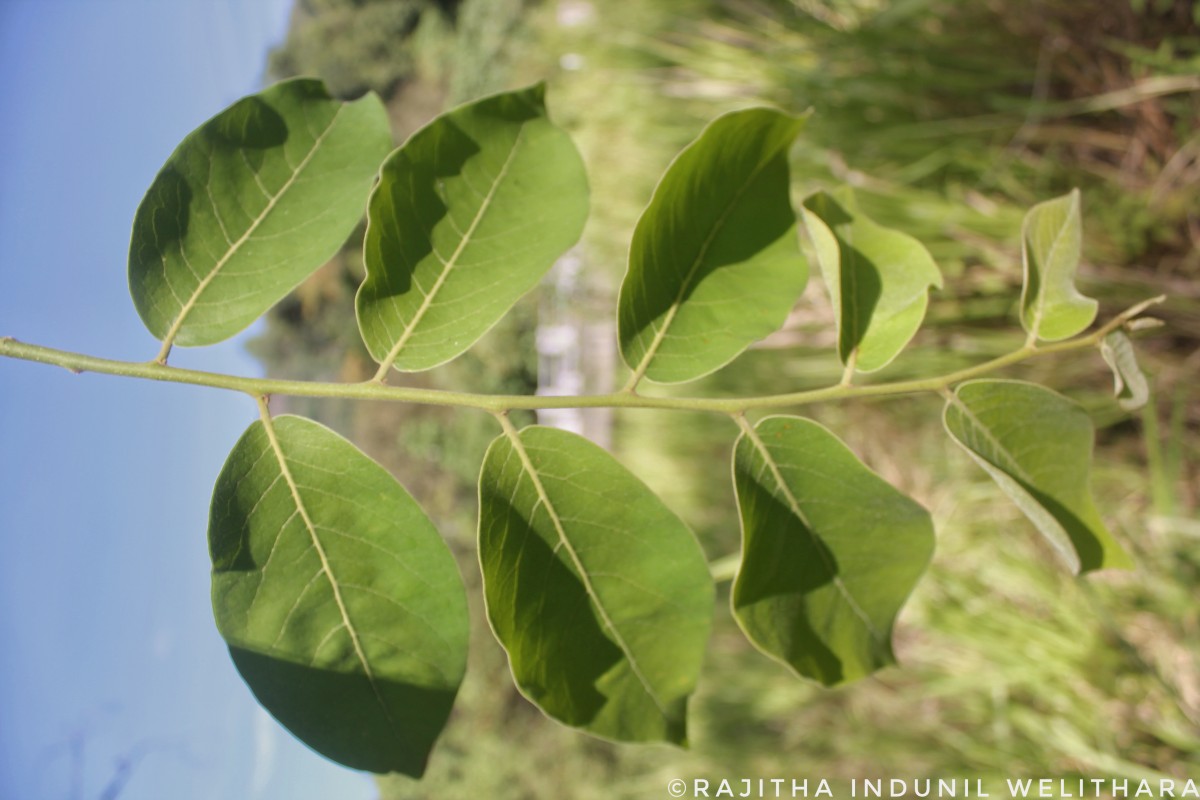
{"x": 920, "y": 291}
{"x": 450, "y": 263}
{"x": 272, "y": 438}
{"x": 661, "y": 333}
{"x": 1043, "y": 283}
{"x": 177, "y": 325}
{"x": 514, "y": 438}
{"x": 1013, "y": 466}
{"x": 851, "y": 268}
{"x": 835, "y": 579}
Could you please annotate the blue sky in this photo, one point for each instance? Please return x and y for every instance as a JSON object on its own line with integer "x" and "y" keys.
{"x": 108, "y": 648}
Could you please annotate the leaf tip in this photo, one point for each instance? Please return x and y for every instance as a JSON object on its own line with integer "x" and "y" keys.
{"x": 536, "y": 94}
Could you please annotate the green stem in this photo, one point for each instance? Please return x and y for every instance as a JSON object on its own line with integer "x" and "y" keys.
{"x": 851, "y": 366}
{"x": 374, "y": 390}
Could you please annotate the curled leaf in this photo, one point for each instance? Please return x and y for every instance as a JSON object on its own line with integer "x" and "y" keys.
{"x": 1130, "y": 387}
{"x": 878, "y": 279}
{"x": 1051, "y": 243}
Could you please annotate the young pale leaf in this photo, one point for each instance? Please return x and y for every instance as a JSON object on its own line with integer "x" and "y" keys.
{"x": 830, "y": 551}
{"x": 1051, "y": 242}
{"x": 248, "y": 205}
{"x": 1037, "y": 445}
{"x": 714, "y": 264}
{"x": 878, "y": 279}
{"x": 342, "y": 607}
{"x": 600, "y": 594}
{"x": 469, "y": 214}
{"x": 1130, "y": 384}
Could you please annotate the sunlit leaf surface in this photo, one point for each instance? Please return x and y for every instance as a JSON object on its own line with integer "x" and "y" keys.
{"x": 469, "y": 214}
{"x": 248, "y": 205}
{"x": 878, "y": 279}
{"x": 1051, "y": 242}
{"x": 342, "y": 607}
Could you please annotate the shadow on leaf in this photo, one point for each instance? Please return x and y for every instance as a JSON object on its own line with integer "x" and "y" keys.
{"x": 376, "y": 725}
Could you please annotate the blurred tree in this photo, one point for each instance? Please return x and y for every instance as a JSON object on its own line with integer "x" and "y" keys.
{"x": 357, "y": 45}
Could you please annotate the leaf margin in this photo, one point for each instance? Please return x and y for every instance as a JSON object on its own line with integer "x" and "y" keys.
{"x": 1112, "y": 554}
{"x": 175, "y": 333}
{"x": 404, "y": 762}
{"x": 884, "y": 640}
{"x": 510, "y": 437}
{"x": 644, "y": 230}
{"x": 828, "y": 246}
{"x": 1034, "y": 283}
{"x": 532, "y": 95}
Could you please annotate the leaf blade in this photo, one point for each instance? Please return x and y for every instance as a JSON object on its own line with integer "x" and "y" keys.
{"x": 599, "y": 593}
{"x": 878, "y": 279}
{"x": 453, "y": 203}
{"x": 343, "y": 610}
{"x": 248, "y": 205}
{"x": 1130, "y": 386}
{"x": 714, "y": 264}
{"x": 830, "y": 551}
{"x": 1037, "y": 446}
{"x": 1052, "y": 308}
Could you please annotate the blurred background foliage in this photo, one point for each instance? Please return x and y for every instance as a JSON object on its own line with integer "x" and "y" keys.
{"x": 950, "y": 117}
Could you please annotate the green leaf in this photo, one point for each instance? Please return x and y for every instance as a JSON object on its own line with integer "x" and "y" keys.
{"x": 342, "y": 607}
{"x": 248, "y": 205}
{"x": 714, "y": 264}
{"x": 878, "y": 279}
{"x": 600, "y": 594}
{"x": 1037, "y": 445}
{"x": 830, "y": 551}
{"x": 1131, "y": 388}
{"x": 1051, "y": 242}
{"x": 469, "y": 214}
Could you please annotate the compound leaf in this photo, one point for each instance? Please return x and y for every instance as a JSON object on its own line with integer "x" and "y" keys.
{"x": 1130, "y": 383}
{"x": 830, "y": 551}
{"x": 878, "y": 279}
{"x": 1037, "y": 445}
{"x": 714, "y": 264}
{"x": 342, "y": 607}
{"x": 1051, "y": 243}
{"x": 598, "y": 592}
{"x": 469, "y": 214}
{"x": 248, "y": 205}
